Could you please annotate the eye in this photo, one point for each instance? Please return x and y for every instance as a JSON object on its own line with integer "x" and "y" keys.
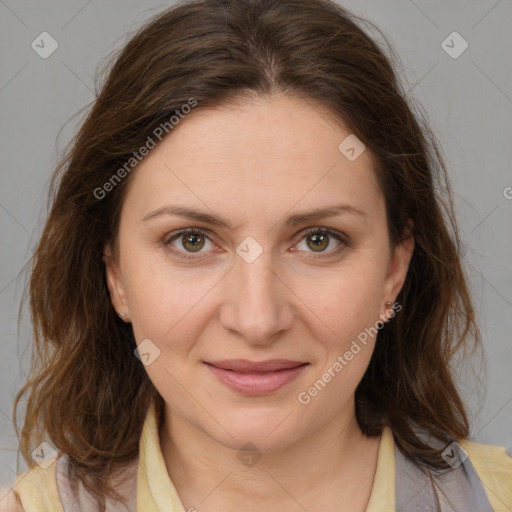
{"x": 318, "y": 241}
{"x": 188, "y": 241}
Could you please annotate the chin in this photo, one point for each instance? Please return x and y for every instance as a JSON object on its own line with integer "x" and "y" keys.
{"x": 248, "y": 438}
{"x": 263, "y": 428}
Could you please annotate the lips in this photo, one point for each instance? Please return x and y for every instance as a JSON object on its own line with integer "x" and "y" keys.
{"x": 245, "y": 366}
{"x": 256, "y": 377}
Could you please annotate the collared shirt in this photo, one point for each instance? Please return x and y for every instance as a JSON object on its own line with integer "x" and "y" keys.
{"x": 47, "y": 490}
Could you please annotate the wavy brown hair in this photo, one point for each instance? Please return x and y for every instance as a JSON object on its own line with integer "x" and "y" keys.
{"x": 87, "y": 392}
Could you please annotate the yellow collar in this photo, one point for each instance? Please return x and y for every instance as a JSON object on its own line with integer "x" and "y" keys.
{"x": 155, "y": 491}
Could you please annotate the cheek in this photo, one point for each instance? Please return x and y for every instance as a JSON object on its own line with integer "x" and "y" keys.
{"x": 345, "y": 307}
{"x": 345, "y": 301}
{"x": 164, "y": 302}
{"x": 345, "y": 357}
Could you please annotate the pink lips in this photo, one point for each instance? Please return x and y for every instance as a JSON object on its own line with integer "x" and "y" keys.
{"x": 256, "y": 378}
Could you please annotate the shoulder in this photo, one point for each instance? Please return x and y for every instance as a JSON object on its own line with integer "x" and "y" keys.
{"x": 42, "y": 489}
{"x": 494, "y": 468}
{"x": 9, "y": 501}
{"x": 34, "y": 491}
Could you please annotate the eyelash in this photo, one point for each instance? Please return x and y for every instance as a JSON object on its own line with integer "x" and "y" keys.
{"x": 343, "y": 239}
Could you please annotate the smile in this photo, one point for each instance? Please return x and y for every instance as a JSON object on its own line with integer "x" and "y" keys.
{"x": 256, "y": 378}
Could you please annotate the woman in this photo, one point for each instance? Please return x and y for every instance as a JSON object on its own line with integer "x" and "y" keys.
{"x": 248, "y": 292}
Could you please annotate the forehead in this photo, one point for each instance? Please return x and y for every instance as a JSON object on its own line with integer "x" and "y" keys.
{"x": 254, "y": 155}
{"x": 275, "y": 126}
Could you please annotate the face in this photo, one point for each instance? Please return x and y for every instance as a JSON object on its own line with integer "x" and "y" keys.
{"x": 254, "y": 279}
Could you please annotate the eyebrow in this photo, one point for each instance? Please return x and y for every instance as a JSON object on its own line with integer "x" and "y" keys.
{"x": 291, "y": 221}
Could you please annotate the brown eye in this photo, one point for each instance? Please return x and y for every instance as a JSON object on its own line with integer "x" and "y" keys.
{"x": 323, "y": 242}
{"x": 193, "y": 241}
{"x": 188, "y": 242}
{"x": 318, "y": 241}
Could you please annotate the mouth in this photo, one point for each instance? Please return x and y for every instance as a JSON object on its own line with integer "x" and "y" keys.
{"x": 258, "y": 377}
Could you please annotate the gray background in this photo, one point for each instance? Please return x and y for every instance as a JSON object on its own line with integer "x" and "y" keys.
{"x": 469, "y": 104}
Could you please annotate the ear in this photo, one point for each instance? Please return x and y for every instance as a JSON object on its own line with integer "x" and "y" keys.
{"x": 399, "y": 264}
{"x": 114, "y": 283}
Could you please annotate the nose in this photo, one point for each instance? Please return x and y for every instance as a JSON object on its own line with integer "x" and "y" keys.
{"x": 258, "y": 304}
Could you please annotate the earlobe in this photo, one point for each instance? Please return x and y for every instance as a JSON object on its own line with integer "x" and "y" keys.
{"x": 114, "y": 283}
{"x": 399, "y": 264}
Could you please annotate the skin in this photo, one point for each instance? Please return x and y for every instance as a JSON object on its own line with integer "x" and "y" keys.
{"x": 256, "y": 163}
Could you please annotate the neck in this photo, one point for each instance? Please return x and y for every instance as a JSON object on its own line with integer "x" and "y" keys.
{"x": 326, "y": 466}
